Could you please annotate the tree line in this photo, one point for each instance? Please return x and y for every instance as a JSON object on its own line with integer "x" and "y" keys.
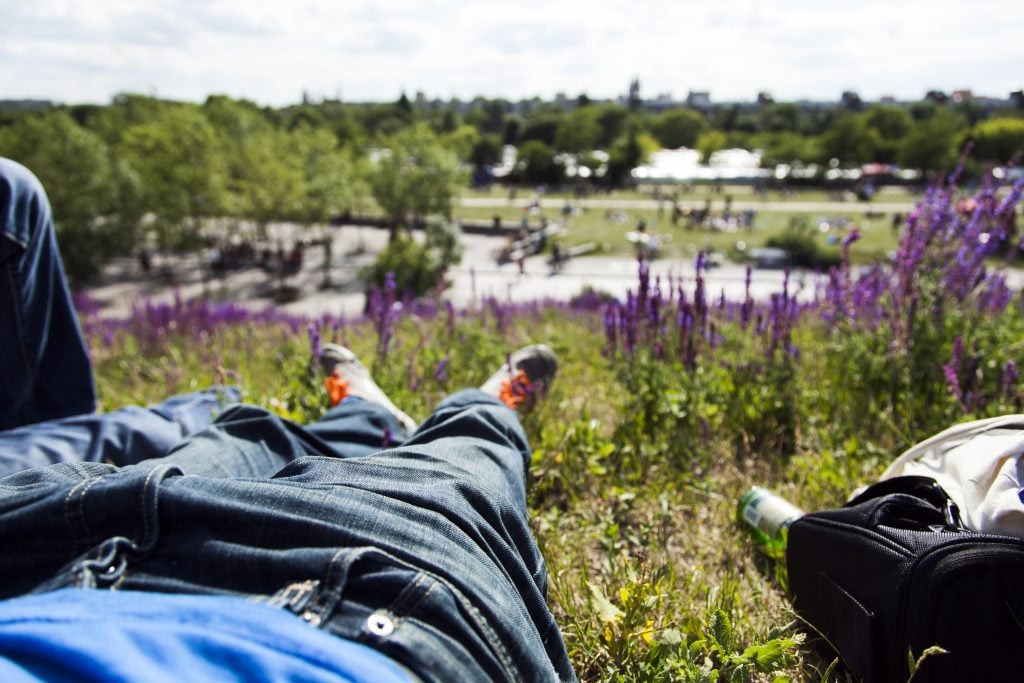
{"x": 142, "y": 166}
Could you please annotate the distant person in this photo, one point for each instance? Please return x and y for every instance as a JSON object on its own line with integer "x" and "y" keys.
{"x": 897, "y": 223}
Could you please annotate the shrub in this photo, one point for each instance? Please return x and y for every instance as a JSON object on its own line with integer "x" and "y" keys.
{"x": 803, "y": 248}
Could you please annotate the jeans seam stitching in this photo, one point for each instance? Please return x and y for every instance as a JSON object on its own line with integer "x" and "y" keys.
{"x": 396, "y": 608}
{"x": 144, "y": 507}
{"x": 423, "y": 596}
{"x": 80, "y": 489}
{"x": 489, "y": 635}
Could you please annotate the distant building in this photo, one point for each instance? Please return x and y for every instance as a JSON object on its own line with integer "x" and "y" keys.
{"x": 660, "y": 103}
{"x": 699, "y": 99}
{"x": 634, "y": 100}
{"x": 851, "y": 100}
{"x": 26, "y": 105}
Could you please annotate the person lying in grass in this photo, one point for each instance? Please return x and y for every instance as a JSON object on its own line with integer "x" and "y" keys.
{"x": 360, "y": 547}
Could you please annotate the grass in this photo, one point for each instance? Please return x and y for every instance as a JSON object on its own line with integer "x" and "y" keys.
{"x": 695, "y": 195}
{"x": 592, "y": 225}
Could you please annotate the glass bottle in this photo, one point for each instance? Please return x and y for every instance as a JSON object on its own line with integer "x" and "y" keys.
{"x": 767, "y": 516}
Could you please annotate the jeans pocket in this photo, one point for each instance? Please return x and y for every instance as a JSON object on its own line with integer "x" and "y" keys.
{"x": 419, "y": 620}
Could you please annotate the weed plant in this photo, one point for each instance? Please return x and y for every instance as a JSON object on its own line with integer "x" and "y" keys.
{"x": 668, "y": 405}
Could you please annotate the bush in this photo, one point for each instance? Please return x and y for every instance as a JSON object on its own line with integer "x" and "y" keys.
{"x": 803, "y": 248}
{"x": 417, "y": 268}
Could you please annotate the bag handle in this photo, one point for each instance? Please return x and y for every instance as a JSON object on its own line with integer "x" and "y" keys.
{"x": 925, "y": 488}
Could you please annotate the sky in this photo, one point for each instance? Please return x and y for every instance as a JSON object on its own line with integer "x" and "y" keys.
{"x": 87, "y": 51}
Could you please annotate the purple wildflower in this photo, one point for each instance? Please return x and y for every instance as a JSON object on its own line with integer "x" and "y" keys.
{"x": 441, "y": 370}
{"x": 1009, "y": 378}
{"x": 315, "y": 343}
{"x": 951, "y": 370}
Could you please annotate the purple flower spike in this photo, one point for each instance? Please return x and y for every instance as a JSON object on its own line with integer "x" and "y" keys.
{"x": 951, "y": 371}
{"x": 441, "y": 370}
{"x": 315, "y": 345}
{"x": 1010, "y": 375}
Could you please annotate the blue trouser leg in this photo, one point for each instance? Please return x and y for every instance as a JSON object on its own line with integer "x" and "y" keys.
{"x": 422, "y": 551}
{"x": 45, "y": 371}
{"x": 121, "y": 437}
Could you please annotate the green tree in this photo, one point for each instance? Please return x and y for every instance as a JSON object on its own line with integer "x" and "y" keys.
{"x": 125, "y": 112}
{"x": 272, "y": 183}
{"x": 94, "y": 198}
{"x": 932, "y": 145}
{"x": 850, "y": 140}
{"x": 542, "y": 127}
{"x": 779, "y": 117}
{"x": 891, "y": 124}
{"x": 627, "y": 153}
{"x": 416, "y": 177}
{"x": 998, "y": 140}
{"x": 487, "y": 150}
{"x": 461, "y": 141}
{"x": 678, "y": 128}
{"x": 536, "y": 164}
{"x": 181, "y": 169}
{"x": 612, "y": 118}
{"x": 710, "y": 142}
{"x": 418, "y": 268}
{"x": 579, "y": 131}
{"x": 784, "y": 147}
{"x": 331, "y": 182}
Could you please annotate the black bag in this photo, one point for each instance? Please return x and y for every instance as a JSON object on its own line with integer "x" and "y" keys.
{"x": 894, "y": 572}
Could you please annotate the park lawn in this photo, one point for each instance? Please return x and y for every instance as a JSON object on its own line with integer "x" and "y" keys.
{"x": 591, "y": 225}
{"x": 694, "y": 195}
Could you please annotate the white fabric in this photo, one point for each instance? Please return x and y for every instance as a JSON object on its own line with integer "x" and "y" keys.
{"x": 979, "y": 464}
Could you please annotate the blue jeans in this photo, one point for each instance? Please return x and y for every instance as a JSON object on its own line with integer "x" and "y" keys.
{"x": 422, "y": 551}
{"x": 47, "y": 394}
{"x": 44, "y": 366}
{"x": 120, "y": 437}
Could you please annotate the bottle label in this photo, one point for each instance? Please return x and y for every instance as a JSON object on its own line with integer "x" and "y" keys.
{"x": 770, "y": 513}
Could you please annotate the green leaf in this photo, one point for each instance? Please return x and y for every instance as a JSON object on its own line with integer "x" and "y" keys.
{"x": 606, "y": 611}
{"x": 771, "y": 655}
{"x": 721, "y": 630}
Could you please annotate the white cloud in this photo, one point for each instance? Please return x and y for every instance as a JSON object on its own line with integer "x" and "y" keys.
{"x": 271, "y": 51}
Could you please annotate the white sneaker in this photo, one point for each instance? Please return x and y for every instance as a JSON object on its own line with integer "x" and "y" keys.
{"x": 522, "y": 380}
{"x": 339, "y": 363}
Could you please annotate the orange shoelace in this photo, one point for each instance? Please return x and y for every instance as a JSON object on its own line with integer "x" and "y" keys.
{"x": 515, "y": 390}
{"x": 337, "y": 389}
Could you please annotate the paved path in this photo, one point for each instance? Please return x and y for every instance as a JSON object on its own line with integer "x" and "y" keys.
{"x": 477, "y": 276}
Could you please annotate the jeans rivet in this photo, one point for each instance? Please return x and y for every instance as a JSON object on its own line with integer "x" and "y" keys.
{"x": 380, "y": 625}
{"x": 112, "y": 569}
